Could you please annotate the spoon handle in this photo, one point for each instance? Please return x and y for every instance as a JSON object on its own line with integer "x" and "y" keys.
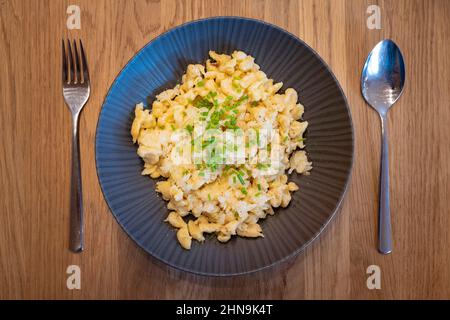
{"x": 384, "y": 223}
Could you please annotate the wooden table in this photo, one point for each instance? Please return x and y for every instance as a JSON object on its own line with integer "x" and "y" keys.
{"x": 35, "y": 154}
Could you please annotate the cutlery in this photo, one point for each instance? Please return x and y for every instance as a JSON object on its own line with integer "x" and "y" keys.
{"x": 382, "y": 82}
{"x": 76, "y": 90}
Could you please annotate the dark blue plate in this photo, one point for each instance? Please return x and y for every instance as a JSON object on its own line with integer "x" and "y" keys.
{"x": 160, "y": 65}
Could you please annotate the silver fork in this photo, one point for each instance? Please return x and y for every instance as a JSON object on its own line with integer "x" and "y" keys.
{"x": 76, "y": 90}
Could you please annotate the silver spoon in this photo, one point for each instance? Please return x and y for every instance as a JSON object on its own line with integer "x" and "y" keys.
{"x": 382, "y": 82}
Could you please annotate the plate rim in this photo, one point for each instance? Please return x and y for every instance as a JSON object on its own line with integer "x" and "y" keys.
{"x": 341, "y": 196}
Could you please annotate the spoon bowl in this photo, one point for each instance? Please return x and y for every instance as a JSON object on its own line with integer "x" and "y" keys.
{"x": 383, "y": 76}
{"x": 382, "y": 83}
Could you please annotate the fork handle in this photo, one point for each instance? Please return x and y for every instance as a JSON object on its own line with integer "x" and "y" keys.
{"x": 384, "y": 224}
{"x": 76, "y": 195}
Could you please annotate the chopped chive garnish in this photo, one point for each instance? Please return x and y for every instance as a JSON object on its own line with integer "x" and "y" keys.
{"x": 244, "y": 191}
{"x": 261, "y": 166}
{"x": 258, "y": 194}
{"x": 243, "y": 98}
{"x": 189, "y": 128}
{"x": 236, "y": 215}
{"x": 211, "y": 95}
{"x": 173, "y": 127}
{"x": 201, "y": 174}
{"x": 254, "y": 103}
{"x": 234, "y": 179}
{"x": 241, "y": 179}
{"x": 200, "y": 83}
{"x": 209, "y": 196}
{"x": 257, "y": 137}
{"x": 200, "y": 102}
{"x": 259, "y": 186}
{"x": 208, "y": 142}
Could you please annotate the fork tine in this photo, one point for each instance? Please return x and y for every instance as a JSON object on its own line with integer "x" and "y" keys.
{"x": 77, "y": 62}
{"x": 71, "y": 63}
{"x": 64, "y": 63}
{"x": 85, "y": 66}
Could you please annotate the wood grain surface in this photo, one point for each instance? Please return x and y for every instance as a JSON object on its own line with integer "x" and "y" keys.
{"x": 35, "y": 138}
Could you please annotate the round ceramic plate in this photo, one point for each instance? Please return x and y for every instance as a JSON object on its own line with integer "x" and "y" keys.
{"x": 159, "y": 65}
